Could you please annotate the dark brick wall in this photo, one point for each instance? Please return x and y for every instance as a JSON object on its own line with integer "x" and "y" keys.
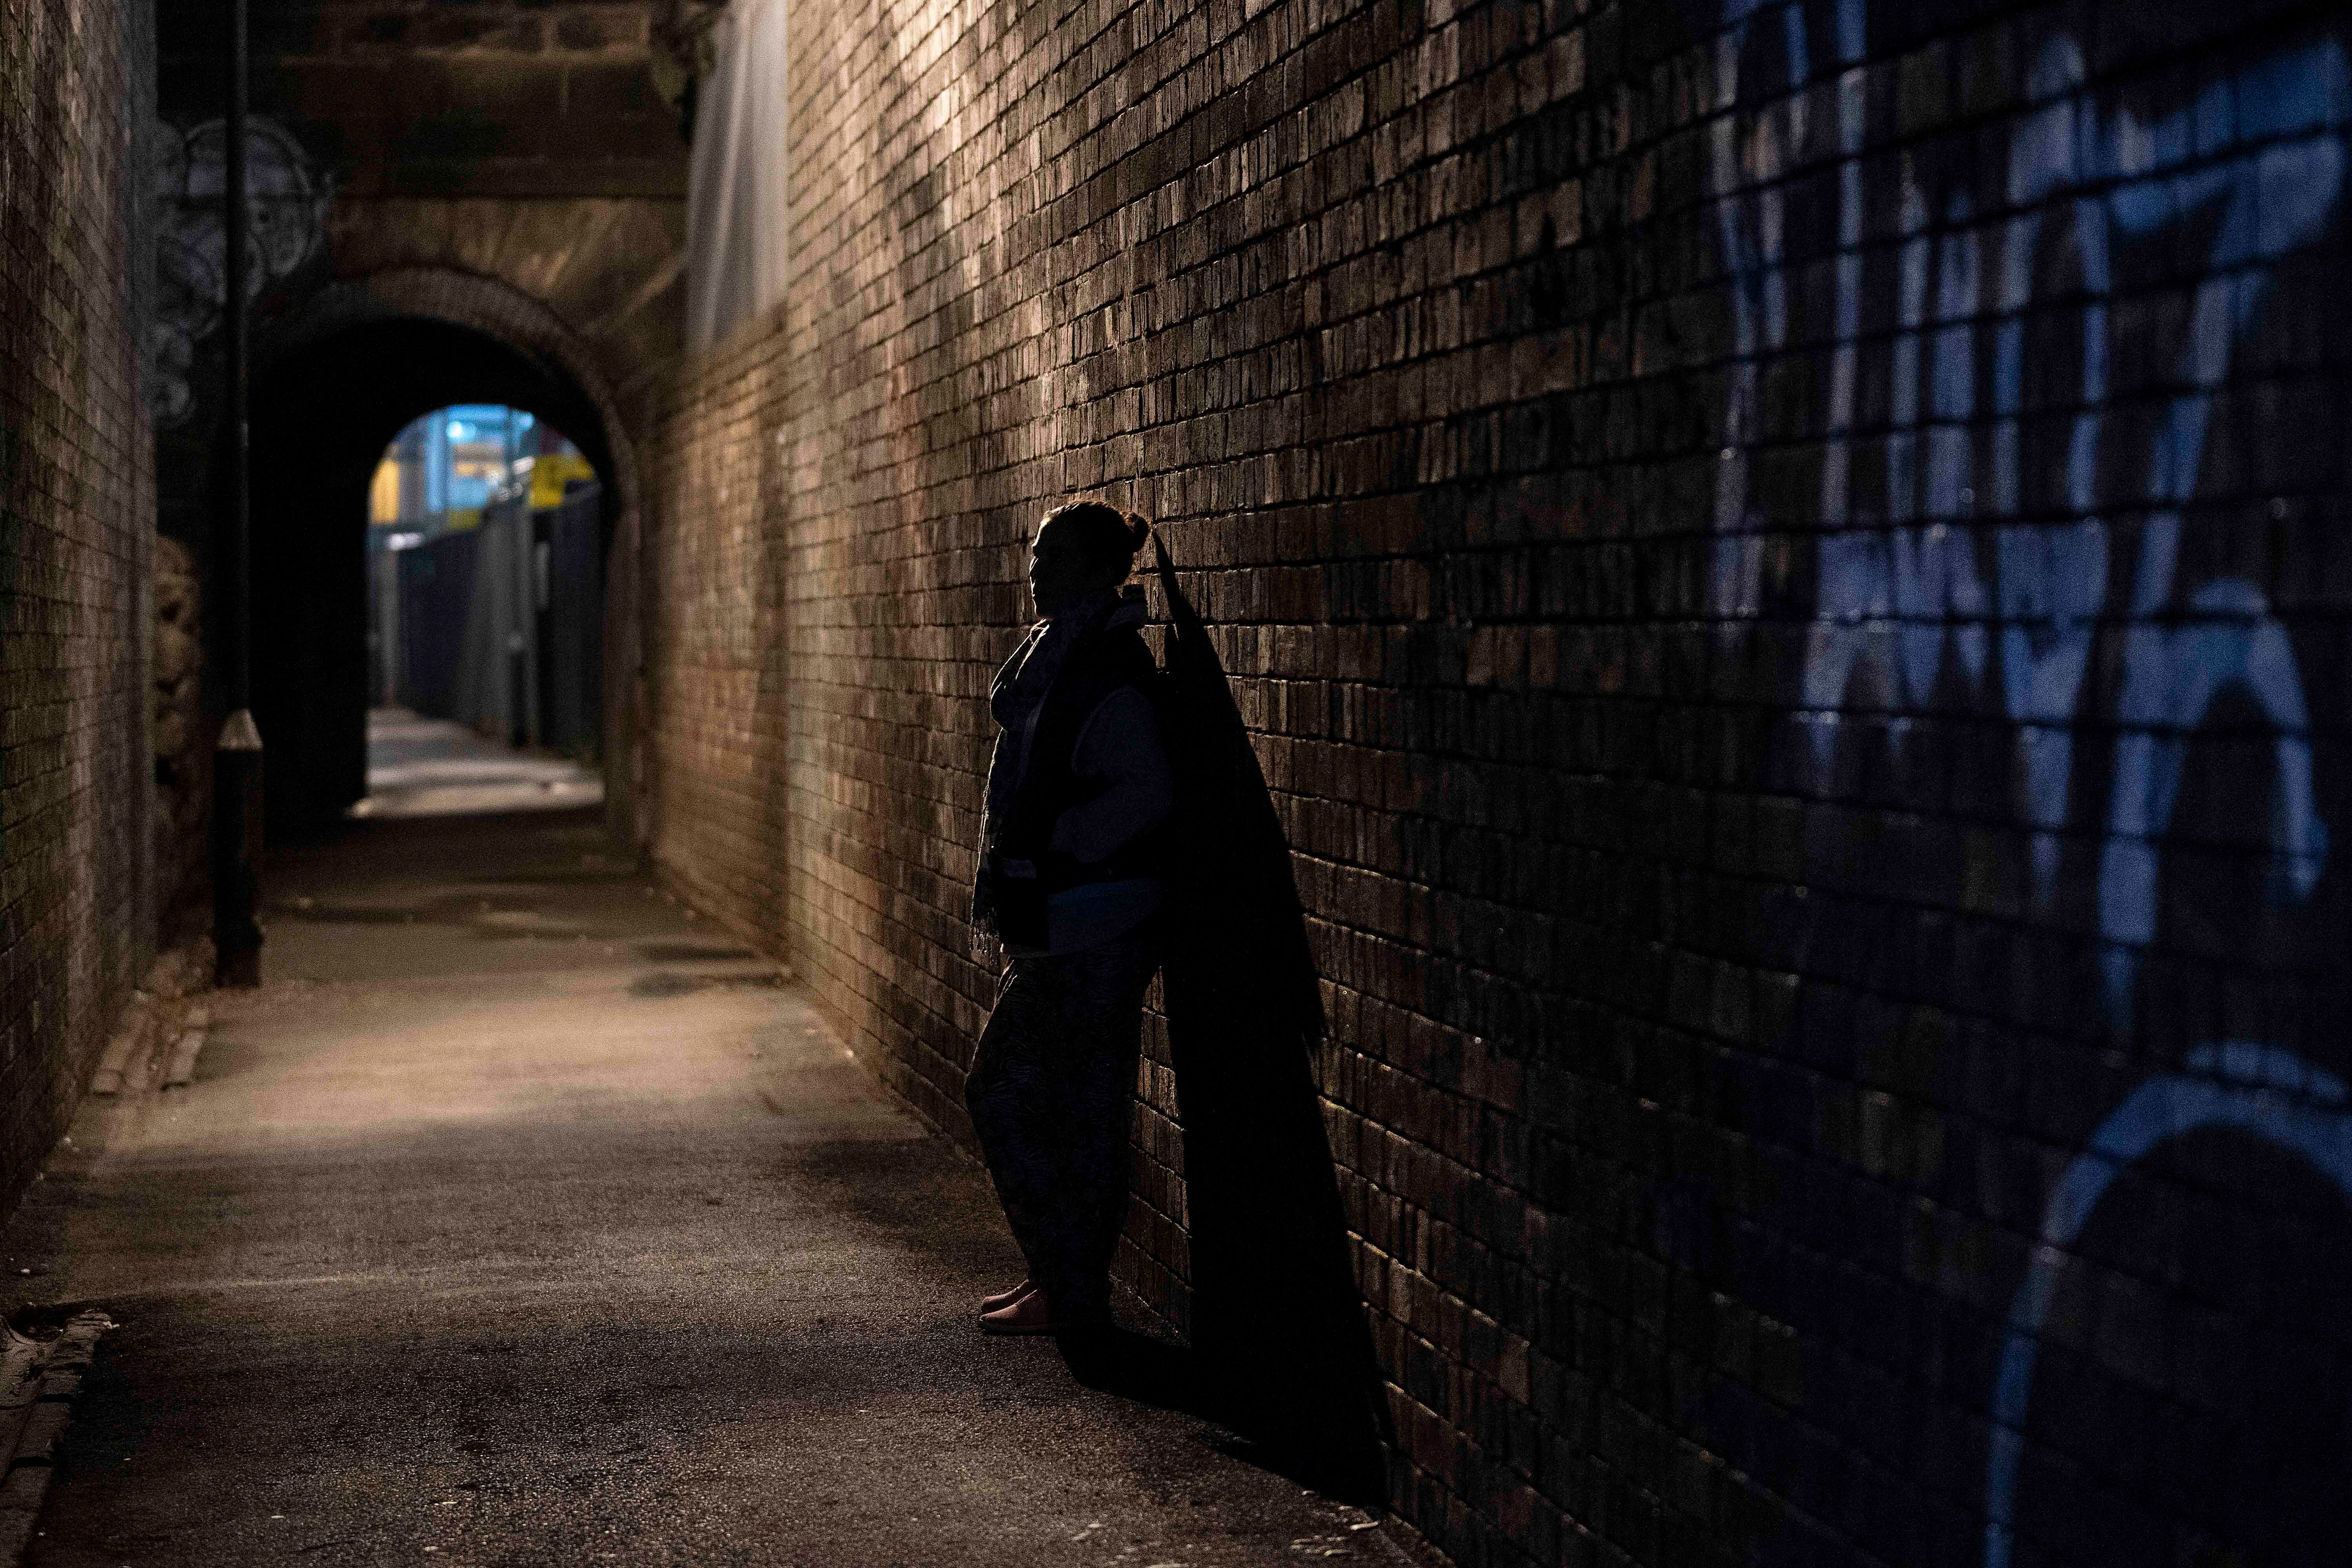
{"x": 714, "y": 814}
{"x": 77, "y": 528}
{"x": 1785, "y": 569}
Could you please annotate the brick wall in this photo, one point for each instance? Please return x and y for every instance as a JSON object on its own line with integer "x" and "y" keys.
{"x": 714, "y": 734}
{"x": 76, "y": 526}
{"x": 1784, "y": 565}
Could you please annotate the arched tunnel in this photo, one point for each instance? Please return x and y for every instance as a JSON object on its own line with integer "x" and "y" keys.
{"x": 323, "y": 410}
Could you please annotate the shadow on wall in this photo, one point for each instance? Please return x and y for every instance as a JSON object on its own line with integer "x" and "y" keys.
{"x": 1281, "y": 1352}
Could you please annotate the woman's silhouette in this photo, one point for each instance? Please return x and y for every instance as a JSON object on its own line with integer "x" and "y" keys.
{"x": 1069, "y": 882}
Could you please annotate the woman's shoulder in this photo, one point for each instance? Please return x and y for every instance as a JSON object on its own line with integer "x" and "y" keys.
{"x": 1121, "y": 641}
{"x": 1122, "y": 720}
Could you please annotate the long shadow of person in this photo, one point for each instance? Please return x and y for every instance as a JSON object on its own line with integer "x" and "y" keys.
{"x": 1281, "y": 1353}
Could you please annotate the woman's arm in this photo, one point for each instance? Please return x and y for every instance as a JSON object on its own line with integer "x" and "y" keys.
{"x": 1120, "y": 743}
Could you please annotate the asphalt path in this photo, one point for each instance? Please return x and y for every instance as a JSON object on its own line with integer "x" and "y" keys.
{"x": 522, "y": 1218}
{"x": 431, "y": 767}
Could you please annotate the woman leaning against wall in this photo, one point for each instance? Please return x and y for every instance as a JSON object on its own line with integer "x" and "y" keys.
{"x": 1078, "y": 789}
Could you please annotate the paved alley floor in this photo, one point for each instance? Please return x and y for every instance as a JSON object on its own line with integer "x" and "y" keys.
{"x": 519, "y": 1218}
{"x": 432, "y": 767}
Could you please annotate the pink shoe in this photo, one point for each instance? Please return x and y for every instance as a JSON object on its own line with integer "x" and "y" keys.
{"x": 1006, "y": 1297}
{"x": 1028, "y": 1314}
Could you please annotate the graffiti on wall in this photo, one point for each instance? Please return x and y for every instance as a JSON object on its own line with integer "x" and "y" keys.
{"x": 1986, "y": 497}
{"x": 288, "y": 201}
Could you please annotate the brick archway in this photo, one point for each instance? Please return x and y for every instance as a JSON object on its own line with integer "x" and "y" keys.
{"x": 490, "y": 306}
{"x": 495, "y": 312}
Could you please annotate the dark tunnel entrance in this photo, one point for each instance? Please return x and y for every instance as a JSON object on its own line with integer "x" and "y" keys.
{"x": 322, "y": 418}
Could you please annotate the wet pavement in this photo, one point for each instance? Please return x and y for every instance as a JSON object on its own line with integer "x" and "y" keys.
{"x": 522, "y": 1218}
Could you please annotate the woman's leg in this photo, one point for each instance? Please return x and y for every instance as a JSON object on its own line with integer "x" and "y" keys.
{"x": 1108, "y": 1014}
{"x": 1051, "y": 1093}
{"x": 1008, "y": 1092}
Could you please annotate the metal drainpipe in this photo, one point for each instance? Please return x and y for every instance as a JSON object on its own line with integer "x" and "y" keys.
{"x": 236, "y": 759}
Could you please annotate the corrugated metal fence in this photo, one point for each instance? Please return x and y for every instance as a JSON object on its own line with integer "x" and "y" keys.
{"x": 501, "y": 627}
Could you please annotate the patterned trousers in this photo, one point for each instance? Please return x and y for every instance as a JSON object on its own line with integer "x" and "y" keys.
{"x": 1052, "y": 1096}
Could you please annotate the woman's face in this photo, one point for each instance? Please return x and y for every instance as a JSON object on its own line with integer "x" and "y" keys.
{"x": 1060, "y": 571}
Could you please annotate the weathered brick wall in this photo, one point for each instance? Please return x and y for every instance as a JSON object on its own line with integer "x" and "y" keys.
{"x": 1784, "y": 564}
{"x": 714, "y": 791}
{"x": 76, "y": 526}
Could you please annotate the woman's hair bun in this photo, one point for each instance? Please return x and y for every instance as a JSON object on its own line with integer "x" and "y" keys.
{"x": 1107, "y": 534}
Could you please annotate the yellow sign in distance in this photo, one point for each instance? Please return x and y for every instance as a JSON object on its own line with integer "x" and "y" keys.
{"x": 549, "y": 473}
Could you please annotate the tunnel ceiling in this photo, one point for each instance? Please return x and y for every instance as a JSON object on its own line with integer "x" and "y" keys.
{"x": 342, "y": 400}
{"x": 529, "y": 144}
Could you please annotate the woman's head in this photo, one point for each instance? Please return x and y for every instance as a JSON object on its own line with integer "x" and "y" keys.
{"x": 1084, "y": 547}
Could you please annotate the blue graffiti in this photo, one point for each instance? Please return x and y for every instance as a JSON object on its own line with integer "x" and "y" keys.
{"x": 1906, "y": 598}
{"x": 2171, "y": 674}
{"x": 1902, "y": 597}
{"x": 2269, "y": 1093}
{"x": 2274, "y": 199}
